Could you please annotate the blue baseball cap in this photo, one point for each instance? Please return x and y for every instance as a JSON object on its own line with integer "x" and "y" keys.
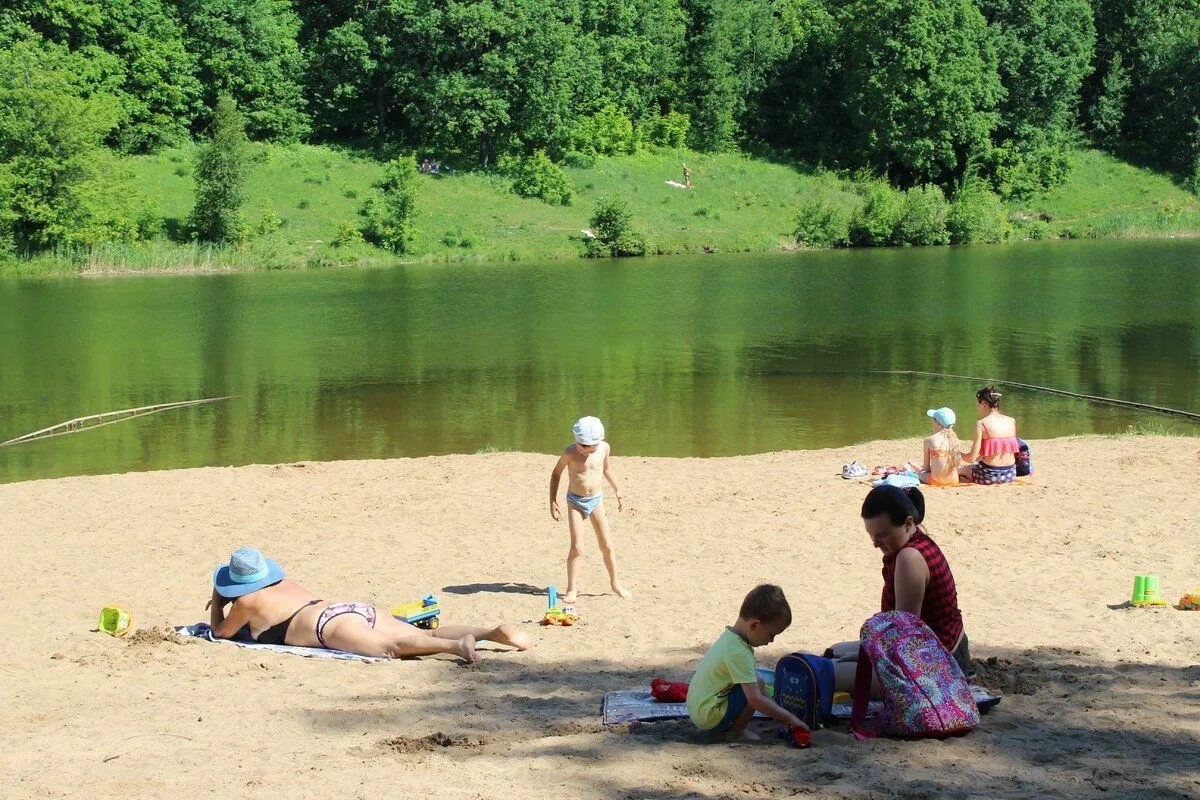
{"x": 943, "y": 416}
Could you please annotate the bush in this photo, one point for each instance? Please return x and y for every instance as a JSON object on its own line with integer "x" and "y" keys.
{"x": 612, "y": 222}
{"x": 874, "y": 223}
{"x": 348, "y": 235}
{"x": 538, "y": 176}
{"x": 609, "y": 131}
{"x": 390, "y": 212}
{"x": 269, "y": 222}
{"x": 1037, "y": 230}
{"x": 822, "y": 224}
{"x": 579, "y": 159}
{"x": 303, "y": 204}
{"x": 977, "y": 215}
{"x": 924, "y": 219}
{"x": 669, "y": 130}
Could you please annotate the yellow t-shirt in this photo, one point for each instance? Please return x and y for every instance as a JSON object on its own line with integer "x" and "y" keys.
{"x": 729, "y": 662}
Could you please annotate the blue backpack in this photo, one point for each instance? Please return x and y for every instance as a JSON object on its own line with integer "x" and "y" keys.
{"x": 804, "y": 686}
{"x": 1024, "y": 462}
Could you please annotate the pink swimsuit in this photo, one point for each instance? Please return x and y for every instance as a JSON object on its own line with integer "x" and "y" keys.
{"x": 998, "y": 447}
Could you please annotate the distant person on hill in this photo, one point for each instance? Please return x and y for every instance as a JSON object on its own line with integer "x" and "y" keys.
{"x": 280, "y": 611}
{"x": 992, "y": 459}
{"x": 687, "y": 177}
{"x": 587, "y": 465}
{"x": 916, "y": 576}
{"x": 726, "y": 690}
{"x": 943, "y": 451}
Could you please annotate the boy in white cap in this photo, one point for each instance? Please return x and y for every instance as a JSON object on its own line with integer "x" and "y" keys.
{"x": 587, "y": 465}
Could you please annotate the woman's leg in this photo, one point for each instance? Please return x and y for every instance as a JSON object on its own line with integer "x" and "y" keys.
{"x": 392, "y": 638}
{"x": 501, "y": 634}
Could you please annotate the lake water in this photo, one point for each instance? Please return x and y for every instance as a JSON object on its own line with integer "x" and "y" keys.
{"x": 681, "y": 356}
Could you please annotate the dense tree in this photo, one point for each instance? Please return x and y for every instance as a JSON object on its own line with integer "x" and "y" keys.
{"x": 52, "y": 127}
{"x": 221, "y": 171}
{"x": 921, "y": 87}
{"x": 1044, "y": 50}
{"x": 247, "y": 49}
{"x": 133, "y": 50}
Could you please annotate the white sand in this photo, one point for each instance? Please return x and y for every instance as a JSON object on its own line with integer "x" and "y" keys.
{"x": 1099, "y": 700}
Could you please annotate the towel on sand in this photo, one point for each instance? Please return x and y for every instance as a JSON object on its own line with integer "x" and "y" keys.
{"x": 633, "y": 706}
{"x": 201, "y": 630}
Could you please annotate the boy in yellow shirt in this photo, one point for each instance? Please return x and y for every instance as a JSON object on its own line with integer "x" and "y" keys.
{"x": 725, "y": 691}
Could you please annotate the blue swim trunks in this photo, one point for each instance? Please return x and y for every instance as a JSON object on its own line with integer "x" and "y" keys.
{"x": 586, "y": 505}
{"x": 737, "y": 704}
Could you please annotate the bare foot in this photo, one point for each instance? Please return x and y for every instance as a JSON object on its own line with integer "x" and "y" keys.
{"x": 568, "y": 599}
{"x": 466, "y": 649}
{"x": 508, "y": 634}
{"x": 621, "y": 591}
{"x": 744, "y": 735}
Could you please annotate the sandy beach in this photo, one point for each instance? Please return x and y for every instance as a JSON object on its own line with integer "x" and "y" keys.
{"x": 1100, "y": 699}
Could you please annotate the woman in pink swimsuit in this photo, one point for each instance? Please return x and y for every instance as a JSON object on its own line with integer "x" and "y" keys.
{"x": 992, "y": 459}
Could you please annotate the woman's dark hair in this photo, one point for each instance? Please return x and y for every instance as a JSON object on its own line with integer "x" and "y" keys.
{"x": 989, "y": 395}
{"x": 766, "y": 603}
{"x": 899, "y": 504}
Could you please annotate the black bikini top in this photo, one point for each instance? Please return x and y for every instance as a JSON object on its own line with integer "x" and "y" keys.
{"x": 278, "y": 632}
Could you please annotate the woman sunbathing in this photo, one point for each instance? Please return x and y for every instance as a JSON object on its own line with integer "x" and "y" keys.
{"x": 992, "y": 459}
{"x": 916, "y": 576}
{"x": 280, "y": 611}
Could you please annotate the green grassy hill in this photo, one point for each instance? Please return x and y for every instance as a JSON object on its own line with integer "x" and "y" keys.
{"x": 300, "y": 197}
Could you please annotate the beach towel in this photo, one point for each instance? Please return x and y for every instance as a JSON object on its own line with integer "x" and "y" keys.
{"x": 638, "y": 706}
{"x": 201, "y": 630}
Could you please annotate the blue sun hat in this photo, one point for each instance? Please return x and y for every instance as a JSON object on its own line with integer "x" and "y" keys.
{"x": 588, "y": 431}
{"x": 943, "y": 416}
{"x": 248, "y": 571}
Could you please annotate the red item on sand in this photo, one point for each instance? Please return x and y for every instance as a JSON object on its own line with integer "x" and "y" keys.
{"x": 665, "y": 691}
{"x": 801, "y": 737}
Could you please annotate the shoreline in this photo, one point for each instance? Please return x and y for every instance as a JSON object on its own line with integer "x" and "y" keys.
{"x": 116, "y": 271}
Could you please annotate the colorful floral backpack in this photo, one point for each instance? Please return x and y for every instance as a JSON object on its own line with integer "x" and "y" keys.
{"x": 923, "y": 689}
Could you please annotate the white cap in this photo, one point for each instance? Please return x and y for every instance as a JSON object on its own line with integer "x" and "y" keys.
{"x": 588, "y": 430}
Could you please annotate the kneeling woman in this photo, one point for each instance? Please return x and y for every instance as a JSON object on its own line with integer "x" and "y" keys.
{"x": 916, "y": 577}
{"x": 280, "y": 611}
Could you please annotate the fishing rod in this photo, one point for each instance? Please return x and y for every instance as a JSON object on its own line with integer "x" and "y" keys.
{"x": 107, "y": 418}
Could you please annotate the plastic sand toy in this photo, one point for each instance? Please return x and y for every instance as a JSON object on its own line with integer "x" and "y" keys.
{"x": 423, "y": 614}
{"x": 556, "y": 614}
{"x": 1146, "y": 592}
{"x": 116, "y": 620}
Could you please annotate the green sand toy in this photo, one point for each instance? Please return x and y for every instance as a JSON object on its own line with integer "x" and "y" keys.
{"x": 1146, "y": 592}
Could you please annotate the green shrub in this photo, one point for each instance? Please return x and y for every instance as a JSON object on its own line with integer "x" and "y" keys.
{"x": 269, "y": 222}
{"x": 350, "y": 193}
{"x": 612, "y": 222}
{"x": 609, "y": 132}
{"x": 874, "y": 223}
{"x": 390, "y": 212}
{"x": 669, "y": 130}
{"x": 303, "y": 204}
{"x": 977, "y": 215}
{"x": 580, "y": 159}
{"x": 348, "y": 235}
{"x": 822, "y": 224}
{"x": 538, "y": 176}
{"x": 924, "y": 219}
{"x": 181, "y": 171}
{"x": 1037, "y": 230}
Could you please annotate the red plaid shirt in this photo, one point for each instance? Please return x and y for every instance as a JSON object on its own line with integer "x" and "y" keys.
{"x": 939, "y": 609}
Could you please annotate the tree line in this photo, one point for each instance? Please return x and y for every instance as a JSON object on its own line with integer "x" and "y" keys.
{"x": 918, "y": 92}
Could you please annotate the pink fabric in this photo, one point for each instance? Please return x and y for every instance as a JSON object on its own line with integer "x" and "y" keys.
{"x": 998, "y": 447}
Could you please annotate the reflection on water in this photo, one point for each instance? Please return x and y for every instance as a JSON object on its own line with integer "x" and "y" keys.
{"x": 715, "y": 355}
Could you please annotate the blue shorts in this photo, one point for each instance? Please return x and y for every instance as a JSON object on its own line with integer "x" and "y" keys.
{"x": 586, "y": 505}
{"x": 737, "y": 704}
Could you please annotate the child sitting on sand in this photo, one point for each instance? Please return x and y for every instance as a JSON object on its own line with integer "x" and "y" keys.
{"x": 586, "y": 462}
{"x": 942, "y": 450}
{"x": 725, "y": 691}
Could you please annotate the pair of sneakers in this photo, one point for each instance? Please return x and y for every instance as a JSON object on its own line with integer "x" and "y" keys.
{"x": 853, "y": 470}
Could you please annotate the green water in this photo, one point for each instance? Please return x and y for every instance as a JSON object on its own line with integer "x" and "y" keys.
{"x": 705, "y": 356}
